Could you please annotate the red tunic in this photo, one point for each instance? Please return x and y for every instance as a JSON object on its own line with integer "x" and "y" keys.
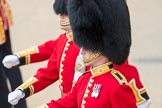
{"x": 55, "y": 49}
{"x": 44, "y": 51}
{"x": 37, "y": 53}
{"x": 109, "y": 92}
{"x": 60, "y": 66}
{"x": 61, "y": 53}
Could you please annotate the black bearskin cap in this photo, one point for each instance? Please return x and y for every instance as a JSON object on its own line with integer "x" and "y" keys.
{"x": 60, "y": 7}
{"x": 101, "y": 26}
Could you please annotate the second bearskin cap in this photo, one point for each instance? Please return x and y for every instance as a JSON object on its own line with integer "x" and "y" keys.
{"x": 60, "y": 7}
{"x": 101, "y": 26}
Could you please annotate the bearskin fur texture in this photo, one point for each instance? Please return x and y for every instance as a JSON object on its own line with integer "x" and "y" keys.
{"x": 101, "y": 26}
{"x": 60, "y": 7}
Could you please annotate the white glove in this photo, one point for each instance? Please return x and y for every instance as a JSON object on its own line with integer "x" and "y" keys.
{"x": 10, "y": 60}
{"x": 15, "y": 96}
{"x": 146, "y": 104}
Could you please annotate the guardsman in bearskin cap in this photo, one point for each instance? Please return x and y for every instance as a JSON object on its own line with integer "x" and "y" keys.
{"x": 13, "y": 75}
{"x": 108, "y": 21}
{"x": 60, "y": 65}
{"x": 102, "y": 30}
{"x": 43, "y": 52}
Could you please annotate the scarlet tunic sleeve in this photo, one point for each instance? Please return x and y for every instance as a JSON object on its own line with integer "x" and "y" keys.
{"x": 43, "y": 78}
{"x": 134, "y": 81}
{"x": 60, "y": 66}
{"x": 45, "y": 51}
{"x": 123, "y": 97}
{"x": 37, "y": 53}
{"x": 48, "y": 75}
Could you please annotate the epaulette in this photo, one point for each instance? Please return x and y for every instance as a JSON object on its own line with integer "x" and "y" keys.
{"x": 119, "y": 77}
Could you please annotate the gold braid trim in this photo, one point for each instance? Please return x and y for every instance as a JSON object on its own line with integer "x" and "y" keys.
{"x": 2, "y": 32}
{"x": 28, "y": 83}
{"x": 137, "y": 92}
{"x": 8, "y": 13}
{"x": 31, "y": 88}
{"x": 143, "y": 91}
{"x": 27, "y": 52}
{"x": 102, "y": 69}
{"x": 27, "y": 59}
{"x": 69, "y": 35}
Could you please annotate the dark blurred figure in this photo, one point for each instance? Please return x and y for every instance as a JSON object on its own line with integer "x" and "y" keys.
{"x": 13, "y": 75}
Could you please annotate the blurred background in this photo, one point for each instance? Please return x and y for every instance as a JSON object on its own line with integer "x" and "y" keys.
{"x": 35, "y": 22}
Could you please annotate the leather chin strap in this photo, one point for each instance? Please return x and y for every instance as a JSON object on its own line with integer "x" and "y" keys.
{"x": 92, "y": 57}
